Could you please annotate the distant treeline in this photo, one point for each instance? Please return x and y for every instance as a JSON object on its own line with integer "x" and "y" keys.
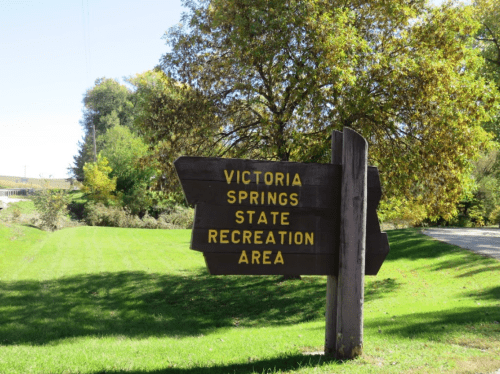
{"x": 21, "y": 182}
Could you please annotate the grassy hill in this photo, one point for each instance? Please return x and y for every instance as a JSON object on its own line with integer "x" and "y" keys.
{"x": 110, "y": 300}
{"x": 21, "y": 182}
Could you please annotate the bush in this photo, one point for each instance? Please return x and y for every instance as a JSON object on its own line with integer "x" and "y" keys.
{"x": 97, "y": 214}
{"x": 178, "y": 217}
{"x": 494, "y": 217}
{"x": 97, "y": 183}
{"x": 52, "y": 206}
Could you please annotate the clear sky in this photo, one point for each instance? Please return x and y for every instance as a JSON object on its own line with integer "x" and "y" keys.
{"x": 51, "y": 52}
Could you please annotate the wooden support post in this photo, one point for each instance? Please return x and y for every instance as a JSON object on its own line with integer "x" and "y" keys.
{"x": 331, "y": 280}
{"x": 350, "y": 289}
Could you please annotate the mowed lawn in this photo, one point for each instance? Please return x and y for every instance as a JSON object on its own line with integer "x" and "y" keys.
{"x": 111, "y": 300}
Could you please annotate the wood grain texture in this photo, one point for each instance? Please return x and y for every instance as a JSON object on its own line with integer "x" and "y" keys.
{"x": 331, "y": 280}
{"x": 313, "y": 206}
{"x": 350, "y": 288}
{"x": 227, "y": 264}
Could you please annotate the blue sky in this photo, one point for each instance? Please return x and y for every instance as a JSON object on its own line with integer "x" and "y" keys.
{"x": 51, "y": 52}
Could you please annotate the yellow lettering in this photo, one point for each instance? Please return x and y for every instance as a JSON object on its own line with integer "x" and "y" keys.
{"x": 238, "y": 176}
{"x": 262, "y": 218}
{"x": 284, "y": 218}
{"x": 212, "y": 235}
{"x": 279, "y": 178}
{"x": 290, "y": 237}
{"x": 256, "y": 237}
{"x": 243, "y": 258}
{"x": 270, "y": 238}
{"x": 282, "y": 234}
{"x": 245, "y": 181}
{"x": 257, "y": 174}
{"x": 296, "y": 180}
{"x": 274, "y": 214}
{"x": 268, "y": 178}
{"x": 254, "y": 197}
{"x": 255, "y": 257}
{"x": 279, "y": 259}
{"x": 298, "y": 237}
{"x": 294, "y": 199}
{"x": 250, "y": 215}
{"x": 262, "y": 197}
{"x": 247, "y": 237}
{"x": 287, "y": 179}
{"x": 309, "y": 238}
{"x": 271, "y": 197}
{"x": 282, "y": 199}
{"x": 265, "y": 257}
{"x": 231, "y": 199}
{"x": 223, "y": 236}
{"x": 228, "y": 177}
{"x": 233, "y": 236}
{"x": 242, "y": 195}
{"x": 239, "y": 216}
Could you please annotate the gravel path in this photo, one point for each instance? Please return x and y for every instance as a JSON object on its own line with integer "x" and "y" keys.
{"x": 5, "y": 200}
{"x": 482, "y": 241}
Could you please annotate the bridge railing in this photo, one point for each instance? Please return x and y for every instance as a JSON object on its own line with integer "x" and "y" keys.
{"x": 17, "y": 191}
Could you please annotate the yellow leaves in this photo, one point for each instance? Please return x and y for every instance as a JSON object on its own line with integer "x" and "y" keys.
{"x": 97, "y": 182}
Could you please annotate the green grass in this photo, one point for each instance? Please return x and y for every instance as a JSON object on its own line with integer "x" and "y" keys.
{"x": 111, "y": 300}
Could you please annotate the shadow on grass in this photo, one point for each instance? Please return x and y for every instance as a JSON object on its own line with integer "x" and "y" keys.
{"x": 140, "y": 304}
{"x": 483, "y": 321}
{"x": 285, "y": 363}
{"x": 377, "y": 288}
{"x": 411, "y": 244}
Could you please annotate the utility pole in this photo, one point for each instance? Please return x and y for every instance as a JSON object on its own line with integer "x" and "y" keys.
{"x": 95, "y": 150}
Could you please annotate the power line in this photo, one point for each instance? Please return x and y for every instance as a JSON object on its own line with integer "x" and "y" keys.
{"x": 86, "y": 38}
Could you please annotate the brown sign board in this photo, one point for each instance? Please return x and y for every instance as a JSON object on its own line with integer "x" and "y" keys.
{"x": 263, "y": 217}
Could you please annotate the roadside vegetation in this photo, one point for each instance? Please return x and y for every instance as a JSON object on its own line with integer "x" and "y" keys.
{"x": 97, "y": 299}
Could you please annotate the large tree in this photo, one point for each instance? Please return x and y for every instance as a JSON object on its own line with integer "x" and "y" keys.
{"x": 107, "y": 104}
{"x": 279, "y": 76}
{"x": 176, "y": 120}
{"x": 488, "y": 37}
{"x": 123, "y": 149}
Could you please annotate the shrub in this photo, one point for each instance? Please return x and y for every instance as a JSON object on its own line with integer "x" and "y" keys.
{"x": 97, "y": 214}
{"x": 494, "y": 217}
{"x": 97, "y": 184}
{"x": 178, "y": 217}
{"x": 52, "y": 206}
{"x": 16, "y": 214}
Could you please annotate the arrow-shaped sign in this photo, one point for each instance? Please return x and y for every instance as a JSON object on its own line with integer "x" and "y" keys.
{"x": 263, "y": 217}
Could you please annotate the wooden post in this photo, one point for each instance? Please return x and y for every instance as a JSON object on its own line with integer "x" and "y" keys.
{"x": 350, "y": 289}
{"x": 331, "y": 280}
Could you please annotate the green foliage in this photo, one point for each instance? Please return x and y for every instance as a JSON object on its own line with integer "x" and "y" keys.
{"x": 175, "y": 120}
{"x": 52, "y": 206}
{"x": 278, "y": 76}
{"x": 494, "y": 217}
{"x": 488, "y": 41}
{"x": 177, "y": 217}
{"x": 401, "y": 214}
{"x": 106, "y": 105}
{"x": 114, "y": 216}
{"x": 16, "y": 214}
{"x": 97, "y": 183}
{"x": 122, "y": 148}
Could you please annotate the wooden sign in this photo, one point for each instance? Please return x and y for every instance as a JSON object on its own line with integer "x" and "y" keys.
{"x": 263, "y": 217}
